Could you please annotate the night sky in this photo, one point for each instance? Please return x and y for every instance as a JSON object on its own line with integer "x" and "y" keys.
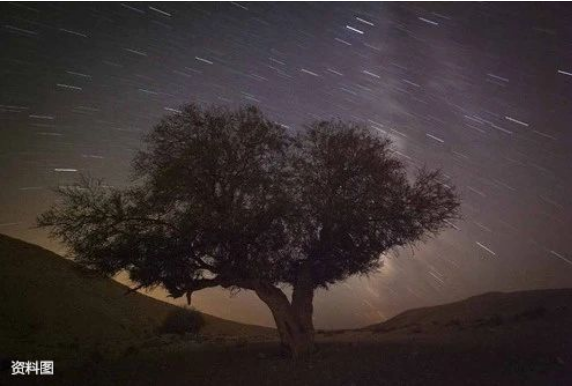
{"x": 483, "y": 91}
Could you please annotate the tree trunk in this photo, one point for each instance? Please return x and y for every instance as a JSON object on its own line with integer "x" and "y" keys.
{"x": 293, "y": 321}
{"x": 302, "y": 300}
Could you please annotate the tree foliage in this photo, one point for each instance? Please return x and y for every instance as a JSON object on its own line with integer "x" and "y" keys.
{"x": 357, "y": 202}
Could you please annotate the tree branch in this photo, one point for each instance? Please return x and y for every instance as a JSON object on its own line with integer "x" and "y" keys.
{"x": 131, "y": 290}
{"x": 199, "y": 284}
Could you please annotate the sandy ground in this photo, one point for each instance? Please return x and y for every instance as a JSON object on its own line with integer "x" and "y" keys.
{"x": 492, "y": 356}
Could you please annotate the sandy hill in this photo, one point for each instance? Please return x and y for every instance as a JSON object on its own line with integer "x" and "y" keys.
{"x": 49, "y": 304}
{"x": 550, "y": 308}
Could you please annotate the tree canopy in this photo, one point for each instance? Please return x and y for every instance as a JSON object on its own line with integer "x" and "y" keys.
{"x": 230, "y": 198}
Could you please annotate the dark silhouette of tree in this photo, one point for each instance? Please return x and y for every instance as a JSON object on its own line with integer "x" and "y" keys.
{"x": 228, "y": 198}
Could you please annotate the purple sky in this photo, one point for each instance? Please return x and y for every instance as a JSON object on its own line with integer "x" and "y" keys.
{"x": 481, "y": 90}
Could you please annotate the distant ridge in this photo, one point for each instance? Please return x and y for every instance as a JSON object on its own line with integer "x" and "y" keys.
{"x": 493, "y": 309}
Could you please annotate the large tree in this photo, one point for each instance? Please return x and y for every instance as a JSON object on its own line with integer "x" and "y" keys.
{"x": 228, "y": 198}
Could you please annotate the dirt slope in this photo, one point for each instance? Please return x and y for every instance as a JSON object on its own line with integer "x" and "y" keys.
{"x": 50, "y": 305}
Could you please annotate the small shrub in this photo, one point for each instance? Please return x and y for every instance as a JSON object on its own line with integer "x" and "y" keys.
{"x": 182, "y": 321}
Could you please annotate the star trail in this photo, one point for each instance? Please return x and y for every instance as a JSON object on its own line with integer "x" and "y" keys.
{"x": 481, "y": 90}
